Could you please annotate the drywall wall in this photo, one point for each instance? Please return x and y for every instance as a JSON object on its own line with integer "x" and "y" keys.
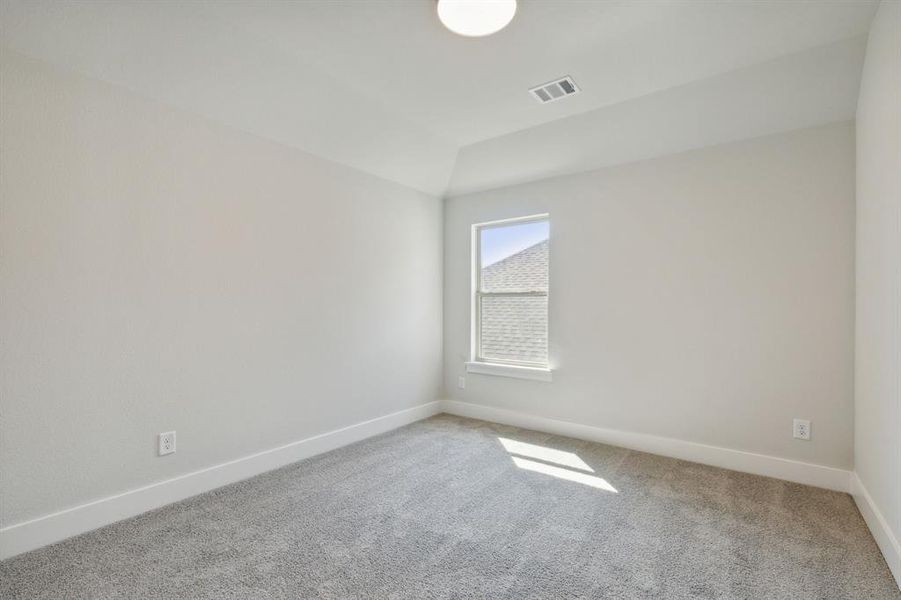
{"x": 163, "y": 272}
{"x": 877, "y": 414}
{"x": 706, "y": 296}
{"x": 807, "y": 89}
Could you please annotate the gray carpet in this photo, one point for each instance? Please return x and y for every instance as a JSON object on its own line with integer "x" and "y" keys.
{"x": 441, "y": 509}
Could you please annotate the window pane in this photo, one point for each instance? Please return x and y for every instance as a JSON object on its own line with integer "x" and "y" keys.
{"x": 514, "y": 328}
{"x": 514, "y": 258}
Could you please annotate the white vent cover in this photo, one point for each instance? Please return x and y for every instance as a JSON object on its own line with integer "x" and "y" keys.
{"x": 555, "y": 90}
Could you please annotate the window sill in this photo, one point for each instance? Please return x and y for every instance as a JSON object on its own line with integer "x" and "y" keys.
{"x": 534, "y": 373}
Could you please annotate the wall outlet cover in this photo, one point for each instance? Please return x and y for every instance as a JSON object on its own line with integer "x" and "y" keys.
{"x": 801, "y": 429}
{"x": 167, "y": 443}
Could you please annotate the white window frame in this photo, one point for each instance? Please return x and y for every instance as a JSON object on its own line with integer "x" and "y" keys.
{"x": 493, "y": 366}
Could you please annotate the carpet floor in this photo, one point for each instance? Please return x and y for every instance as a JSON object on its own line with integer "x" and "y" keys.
{"x": 456, "y": 508}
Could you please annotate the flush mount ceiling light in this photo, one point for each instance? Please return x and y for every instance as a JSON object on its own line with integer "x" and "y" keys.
{"x": 476, "y": 18}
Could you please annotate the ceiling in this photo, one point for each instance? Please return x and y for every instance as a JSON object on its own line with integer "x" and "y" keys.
{"x": 383, "y": 87}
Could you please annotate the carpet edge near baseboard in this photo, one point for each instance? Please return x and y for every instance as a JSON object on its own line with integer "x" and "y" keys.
{"x": 877, "y": 523}
{"x": 55, "y": 527}
{"x": 831, "y": 478}
{"x": 822, "y": 476}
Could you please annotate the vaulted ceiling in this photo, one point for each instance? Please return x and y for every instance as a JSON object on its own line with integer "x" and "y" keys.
{"x": 381, "y": 86}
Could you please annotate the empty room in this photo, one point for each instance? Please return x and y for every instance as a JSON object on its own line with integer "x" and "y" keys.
{"x": 446, "y": 299}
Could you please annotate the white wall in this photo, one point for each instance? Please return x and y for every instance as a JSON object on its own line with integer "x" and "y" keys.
{"x": 806, "y": 89}
{"x": 160, "y": 271}
{"x": 705, "y": 296}
{"x": 877, "y": 415}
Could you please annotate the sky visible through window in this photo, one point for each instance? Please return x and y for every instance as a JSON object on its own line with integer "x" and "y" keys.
{"x": 498, "y": 243}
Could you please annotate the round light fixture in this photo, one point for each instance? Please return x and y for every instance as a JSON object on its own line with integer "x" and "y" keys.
{"x": 476, "y": 18}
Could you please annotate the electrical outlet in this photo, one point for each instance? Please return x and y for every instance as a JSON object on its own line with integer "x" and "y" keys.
{"x": 802, "y": 429}
{"x": 167, "y": 443}
{"x": 461, "y": 382}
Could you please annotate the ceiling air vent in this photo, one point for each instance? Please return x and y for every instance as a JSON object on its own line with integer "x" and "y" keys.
{"x": 561, "y": 88}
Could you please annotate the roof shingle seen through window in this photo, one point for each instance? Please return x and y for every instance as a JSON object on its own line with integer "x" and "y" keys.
{"x": 525, "y": 271}
{"x": 515, "y": 328}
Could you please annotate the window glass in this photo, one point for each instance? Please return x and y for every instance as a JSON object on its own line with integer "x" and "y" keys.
{"x": 514, "y": 328}
{"x": 512, "y": 292}
{"x": 514, "y": 257}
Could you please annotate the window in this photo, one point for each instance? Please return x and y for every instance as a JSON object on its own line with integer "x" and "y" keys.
{"x": 510, "y": 293}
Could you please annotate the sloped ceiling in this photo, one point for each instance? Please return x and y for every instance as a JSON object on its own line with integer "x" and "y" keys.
{"x": 383, "y": 87}
{"x": 800, "y": 90}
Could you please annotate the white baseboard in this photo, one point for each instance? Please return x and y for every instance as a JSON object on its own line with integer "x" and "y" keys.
{"x": 29, "y": 535}
{"x": 736, "y": 460}
{"x": 879, "y": 527}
